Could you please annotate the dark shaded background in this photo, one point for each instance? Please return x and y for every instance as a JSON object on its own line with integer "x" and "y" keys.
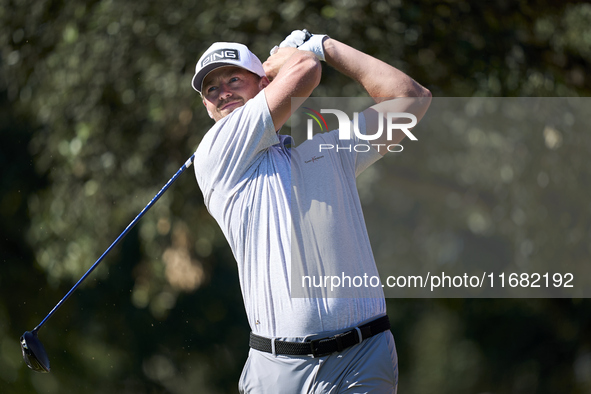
{"x": 97, "y": 113}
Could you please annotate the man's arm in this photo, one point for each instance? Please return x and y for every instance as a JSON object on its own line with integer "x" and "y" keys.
{"x": 292, "y": 73}
{"x": 383, "y": 82}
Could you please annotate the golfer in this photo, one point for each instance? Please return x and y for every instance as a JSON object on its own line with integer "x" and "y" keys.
{"x": 247, "y": 173}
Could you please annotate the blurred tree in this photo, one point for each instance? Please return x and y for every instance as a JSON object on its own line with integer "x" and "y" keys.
{"x": 97, "y": 114}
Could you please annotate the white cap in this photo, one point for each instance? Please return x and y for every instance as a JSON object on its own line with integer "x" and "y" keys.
{"x": 226, "y": 54}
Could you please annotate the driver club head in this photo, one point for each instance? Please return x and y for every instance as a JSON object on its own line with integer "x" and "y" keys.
{"x": 34, "y": 353}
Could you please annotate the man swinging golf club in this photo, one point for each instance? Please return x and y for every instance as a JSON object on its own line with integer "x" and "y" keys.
{"x": 245, "y": 170}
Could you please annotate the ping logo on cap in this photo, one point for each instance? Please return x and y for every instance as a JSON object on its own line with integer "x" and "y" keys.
{"x": 221, "y": 54}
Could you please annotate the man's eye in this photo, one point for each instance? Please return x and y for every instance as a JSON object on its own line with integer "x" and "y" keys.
{"x": 211, "y": 89}
{"x": 233, "y": 79}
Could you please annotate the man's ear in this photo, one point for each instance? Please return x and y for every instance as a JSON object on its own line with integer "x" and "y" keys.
{"x": 264, "y": 82}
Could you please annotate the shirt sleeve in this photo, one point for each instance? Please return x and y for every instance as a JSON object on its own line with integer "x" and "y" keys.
{"x": 356, "y": 154}
{"x": 234, "y": 145}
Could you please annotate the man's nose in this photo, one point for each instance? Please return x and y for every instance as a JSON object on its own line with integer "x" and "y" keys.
{"x": 224, "y": 91}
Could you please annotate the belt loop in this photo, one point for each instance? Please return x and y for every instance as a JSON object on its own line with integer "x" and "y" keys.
{"x": 273, "y": 347}
{"x": 359, "y": 334}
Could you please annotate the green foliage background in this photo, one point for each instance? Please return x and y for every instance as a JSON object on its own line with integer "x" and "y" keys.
{"x": 97, "y": 113}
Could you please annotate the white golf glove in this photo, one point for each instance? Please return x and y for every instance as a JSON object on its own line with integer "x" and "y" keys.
{"x": 295, "y": 39}
{"x": 305, "y": 41}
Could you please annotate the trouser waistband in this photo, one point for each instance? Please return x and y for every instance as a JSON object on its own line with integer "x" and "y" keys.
{"x": 322, "y": 346}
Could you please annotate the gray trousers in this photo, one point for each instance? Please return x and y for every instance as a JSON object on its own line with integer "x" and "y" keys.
{"x": 368, "y": 367}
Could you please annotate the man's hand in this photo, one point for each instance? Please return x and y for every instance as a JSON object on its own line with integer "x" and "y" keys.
{"x": 305, "y": 41}
{"x": 274, "y": 63}
{"x": 295, "y": 39}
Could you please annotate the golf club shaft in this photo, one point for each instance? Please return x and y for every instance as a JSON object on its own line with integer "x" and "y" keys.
{"x": 123, "y": 234}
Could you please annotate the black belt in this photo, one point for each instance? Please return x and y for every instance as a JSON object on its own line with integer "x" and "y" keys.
{"x": 323, "y": 346}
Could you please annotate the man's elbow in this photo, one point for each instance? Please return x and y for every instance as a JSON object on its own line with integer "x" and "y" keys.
{"x": 420, "y": 91}
{"x": 412, "y": 89}
{"x": 423, "y": 97}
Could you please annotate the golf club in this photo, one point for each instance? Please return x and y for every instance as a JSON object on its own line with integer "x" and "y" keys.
{"x": 33, "y": 351}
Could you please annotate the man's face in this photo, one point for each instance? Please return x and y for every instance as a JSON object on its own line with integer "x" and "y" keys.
{"x": 227, "y": 88}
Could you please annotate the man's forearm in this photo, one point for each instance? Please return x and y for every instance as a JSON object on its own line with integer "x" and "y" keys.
{"x": 379, "y": 79}
{"x": 293, "y": 73}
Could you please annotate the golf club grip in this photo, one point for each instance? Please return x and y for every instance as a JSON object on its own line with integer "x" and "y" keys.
{"x": 123, "y": 234}
{"x": 308, "y": 35}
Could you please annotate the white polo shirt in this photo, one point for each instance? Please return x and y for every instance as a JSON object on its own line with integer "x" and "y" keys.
{"x": 280, "y": 207}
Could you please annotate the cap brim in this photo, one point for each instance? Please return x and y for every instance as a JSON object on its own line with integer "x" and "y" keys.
{"x": 200, "y": 76}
